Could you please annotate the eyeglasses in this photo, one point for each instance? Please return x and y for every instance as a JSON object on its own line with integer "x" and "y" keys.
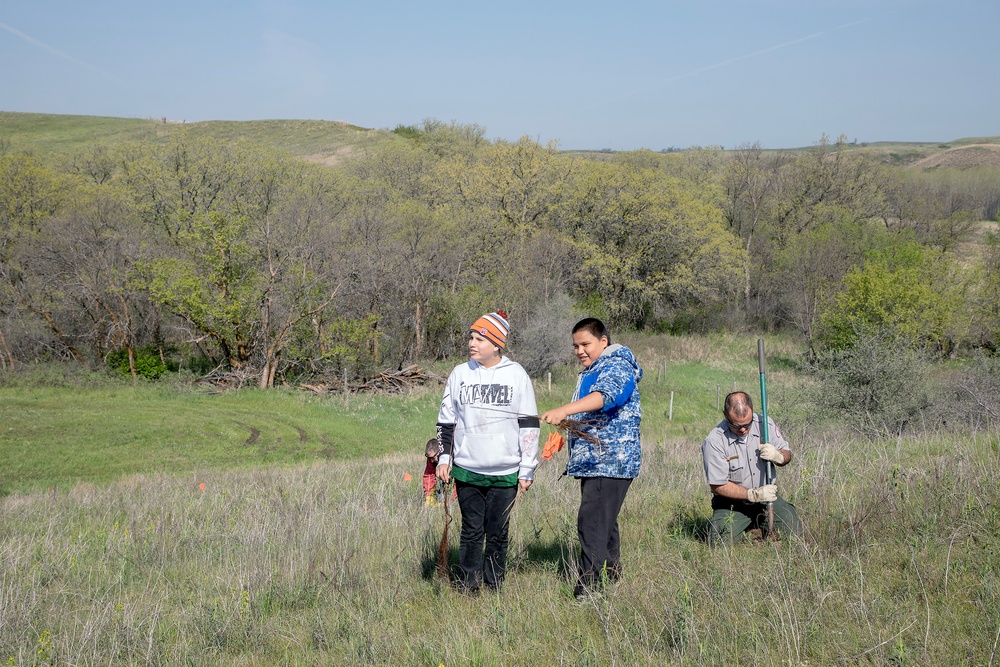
{"x": 740, "y": 427}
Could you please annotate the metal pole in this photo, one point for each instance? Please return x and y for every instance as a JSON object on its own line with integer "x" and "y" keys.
{"x": 670, "y": 417}
{"x": 763, "y": 429}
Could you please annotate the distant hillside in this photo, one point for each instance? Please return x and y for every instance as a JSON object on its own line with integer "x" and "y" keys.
{"x": 321, "y": 141}
{"x": 962, "y": 157}
{"x": 966, "y": 153}
{"x": 328, "y": 142}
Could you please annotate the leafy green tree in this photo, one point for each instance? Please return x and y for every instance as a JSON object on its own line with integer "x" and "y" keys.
{"x": 910, "y": 290}
{"x": 30, "y": 194}
{"x": 827, "y": 192}
{"x": 808, "y": 272}
{"x": 512, "y": 185}
{"x": 234, "y": 254}
{"x": 646, "y": 244}
{"x": 213, "y": 280}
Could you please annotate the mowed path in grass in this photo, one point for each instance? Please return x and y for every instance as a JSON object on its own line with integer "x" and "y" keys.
{"x": 60, "y": 436}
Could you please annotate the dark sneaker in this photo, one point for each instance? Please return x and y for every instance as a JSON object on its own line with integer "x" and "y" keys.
{"x": 585, "y": 594}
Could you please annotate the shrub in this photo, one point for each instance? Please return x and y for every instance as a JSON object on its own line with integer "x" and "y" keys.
{"x": 148, "y": 363}
{"x": 877, "y": 383}
{"x": 972, "y": 399}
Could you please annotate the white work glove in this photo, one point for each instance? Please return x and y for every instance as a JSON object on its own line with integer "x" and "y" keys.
{"x": 769, "y": 452}
{"x": 763, "y": 494}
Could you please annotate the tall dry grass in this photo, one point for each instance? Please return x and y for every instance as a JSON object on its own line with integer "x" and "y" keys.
{"x": 333, "y": 563}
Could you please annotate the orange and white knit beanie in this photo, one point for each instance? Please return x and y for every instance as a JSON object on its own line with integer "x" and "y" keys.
{"x": 494, "y": 327}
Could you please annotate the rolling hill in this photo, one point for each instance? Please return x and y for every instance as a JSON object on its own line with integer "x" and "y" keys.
{"x": 328, "y": 142}
{"x": 321, "y": 141}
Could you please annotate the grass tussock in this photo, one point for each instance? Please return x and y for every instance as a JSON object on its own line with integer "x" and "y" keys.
{"x": 334, "y": 563}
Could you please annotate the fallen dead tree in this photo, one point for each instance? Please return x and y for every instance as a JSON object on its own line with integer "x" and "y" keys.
{"x": 384, "y": 382}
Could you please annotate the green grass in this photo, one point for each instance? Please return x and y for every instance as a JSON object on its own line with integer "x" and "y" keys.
{"x": 332, "y": 563}
{"x": 50, "y": 133}
{"x": 92, "y": 431}
{"x": 289, "y": 556}
{"x": 62, "y": 436}
{"x": 318, "y": 140}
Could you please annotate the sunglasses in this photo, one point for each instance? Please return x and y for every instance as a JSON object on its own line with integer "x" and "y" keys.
{"x": 740, "y": 427}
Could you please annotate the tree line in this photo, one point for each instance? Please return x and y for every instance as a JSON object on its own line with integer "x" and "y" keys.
{"x": 230, "y": 258}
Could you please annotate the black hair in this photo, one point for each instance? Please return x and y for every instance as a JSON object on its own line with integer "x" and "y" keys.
{"x": 736, "y": 399}
{"x": 594, "y": 326}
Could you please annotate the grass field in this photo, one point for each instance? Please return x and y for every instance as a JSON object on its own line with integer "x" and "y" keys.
{"x": 290, "y": 556}
{"x": 61, "y": 433}
{"x": 317, "y": 140}
{"x": 58, "y": 437}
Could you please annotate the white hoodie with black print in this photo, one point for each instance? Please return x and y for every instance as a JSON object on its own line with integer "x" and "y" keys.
{"x": 488, "y": 421}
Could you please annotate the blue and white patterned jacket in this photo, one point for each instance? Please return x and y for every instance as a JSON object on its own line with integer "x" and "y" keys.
{"x": 615, "y": 374}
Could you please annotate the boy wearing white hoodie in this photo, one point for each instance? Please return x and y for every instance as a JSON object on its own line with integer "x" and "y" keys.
{"x": 488, "y": 433}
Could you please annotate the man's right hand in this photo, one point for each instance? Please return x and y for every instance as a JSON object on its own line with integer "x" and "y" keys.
{"x": 762, "y": 494}
{"x": 443, "y": 472}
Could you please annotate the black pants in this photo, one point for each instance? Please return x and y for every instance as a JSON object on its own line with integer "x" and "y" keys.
{"x": 485, "y": 513}
{"x": 601, "y": 500}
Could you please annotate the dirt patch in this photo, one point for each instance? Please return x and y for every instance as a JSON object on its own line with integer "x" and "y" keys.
{"x": 254, "y": 435}
{"x": 327, "y": 160}
{"x": 329, "y": 451}
{"x": 962, "y": 157}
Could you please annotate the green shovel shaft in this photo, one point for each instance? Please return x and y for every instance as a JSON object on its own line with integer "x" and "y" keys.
{"x": 763, "y": 428}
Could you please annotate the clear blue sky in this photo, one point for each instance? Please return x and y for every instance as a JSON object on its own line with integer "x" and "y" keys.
{"x": 620, "y": 75}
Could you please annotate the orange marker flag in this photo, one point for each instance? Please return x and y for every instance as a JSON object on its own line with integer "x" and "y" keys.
{"x": 407, "y": 477}
{"x": 552, "y": 445}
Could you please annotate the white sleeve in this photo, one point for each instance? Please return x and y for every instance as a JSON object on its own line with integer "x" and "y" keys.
{"x": 528, "y": 429}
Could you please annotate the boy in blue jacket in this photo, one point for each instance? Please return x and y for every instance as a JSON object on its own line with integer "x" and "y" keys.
{"x": 606, "y": 400}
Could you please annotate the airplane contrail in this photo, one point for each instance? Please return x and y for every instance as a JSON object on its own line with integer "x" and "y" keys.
{"x": 56, "y": 52}
{"x": 737, "y": 59}
{"x": 724, "y": 63}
